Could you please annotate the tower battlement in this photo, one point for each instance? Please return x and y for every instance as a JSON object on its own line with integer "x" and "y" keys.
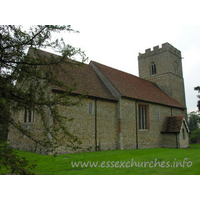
{"x": 157, "y": 49}
{"x": 163, "y": 66}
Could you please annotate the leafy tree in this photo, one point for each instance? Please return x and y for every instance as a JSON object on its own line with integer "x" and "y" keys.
{"x": 193, "y": 126}
{"x": 26, "y": 81}
{"x": 198, "y": 103}
{"x": 3, "y": 129}
{"x": 193, "y": 121}
{"x": 11, "y": 163}
{"x": 195, "y": 135}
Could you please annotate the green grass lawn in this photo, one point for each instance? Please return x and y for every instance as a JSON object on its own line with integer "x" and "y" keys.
{"x": 119, "y": 162}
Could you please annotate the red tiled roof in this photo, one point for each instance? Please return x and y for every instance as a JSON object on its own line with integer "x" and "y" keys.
{"x": 172, "y": 124}
{"x": 88, "y": 82}
{"x": 127, "y": 85}
{"x": 137, "y": 88}
{"x": 85, "y": 77}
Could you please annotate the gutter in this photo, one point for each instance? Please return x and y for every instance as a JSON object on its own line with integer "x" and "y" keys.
{"x": 176, "y": 140}
{"x": 95, "y": 124}
{"x": 83, "y": 95}
{"x": 120, "y": 124}
{"x": 157, "y": 103}
{"x": 136, "y": 117}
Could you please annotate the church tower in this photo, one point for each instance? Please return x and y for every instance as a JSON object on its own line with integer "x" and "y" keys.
{"x": 163, "y": 66}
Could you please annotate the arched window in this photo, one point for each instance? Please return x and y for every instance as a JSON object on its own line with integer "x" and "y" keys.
{"x": 153, "y": 68}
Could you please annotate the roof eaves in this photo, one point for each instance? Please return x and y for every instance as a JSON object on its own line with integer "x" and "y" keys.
{"x": 84, "y": 95}
{"x": 173, "y": 124}
{"x": 153, "y": 102}
{"x": 176, "y": 132}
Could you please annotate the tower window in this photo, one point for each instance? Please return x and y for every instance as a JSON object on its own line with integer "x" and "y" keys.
{"x": 176, "y": 68}
{"x": 153, "y": 68}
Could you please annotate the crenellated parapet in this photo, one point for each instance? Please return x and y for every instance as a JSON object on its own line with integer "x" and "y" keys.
{"x": 157, "y": 49}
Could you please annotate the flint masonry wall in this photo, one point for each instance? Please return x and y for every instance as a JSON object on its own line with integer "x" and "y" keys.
{"x": 83, "y": 126}
{"x": 19, "y": 141}
{"x": 152, "y": 138}
{"x": 149, "y": 138}
{"x": 128, "y": 117}
{"x": 106, "y": 117}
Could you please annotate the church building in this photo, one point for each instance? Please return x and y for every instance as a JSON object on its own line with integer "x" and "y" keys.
{"x": 124, "y": 111}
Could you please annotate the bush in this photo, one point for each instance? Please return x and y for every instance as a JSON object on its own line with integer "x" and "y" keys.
{"x": 195, "y": 135}
{"x": 3, "y": 132}
{"x": 11, "y": 163}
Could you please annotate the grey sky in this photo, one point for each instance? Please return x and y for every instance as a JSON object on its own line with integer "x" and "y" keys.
{"x": 113, "y": 32}
{"x": 120, "y": 48}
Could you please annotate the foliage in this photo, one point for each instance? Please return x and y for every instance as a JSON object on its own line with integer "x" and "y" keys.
{"x": 3, "y": 132}
{"x": 27, "y": 81}
{"x": 198, "y": 102}
{"x": 195, "y": 135}
{"x": 11, "y": 163}
{"x": 193, "y": 121}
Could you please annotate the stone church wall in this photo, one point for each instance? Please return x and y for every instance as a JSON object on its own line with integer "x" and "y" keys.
{"x": 102, "y": 120}
{"x": 152, "y": 138}
{"x": 183, "y": 142}
{"x": 83, "y": 126}
{"x": 169, "y": 140}
{"x": 128, "y": 112}
{"x": 19, "y": 141}
{"x": 148, "y": 138}
{"x": 107, "y": 125}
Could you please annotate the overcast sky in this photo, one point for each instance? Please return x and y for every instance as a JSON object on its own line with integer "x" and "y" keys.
{"x": 114, "y": 32}
{"x": 118, "y": 47}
